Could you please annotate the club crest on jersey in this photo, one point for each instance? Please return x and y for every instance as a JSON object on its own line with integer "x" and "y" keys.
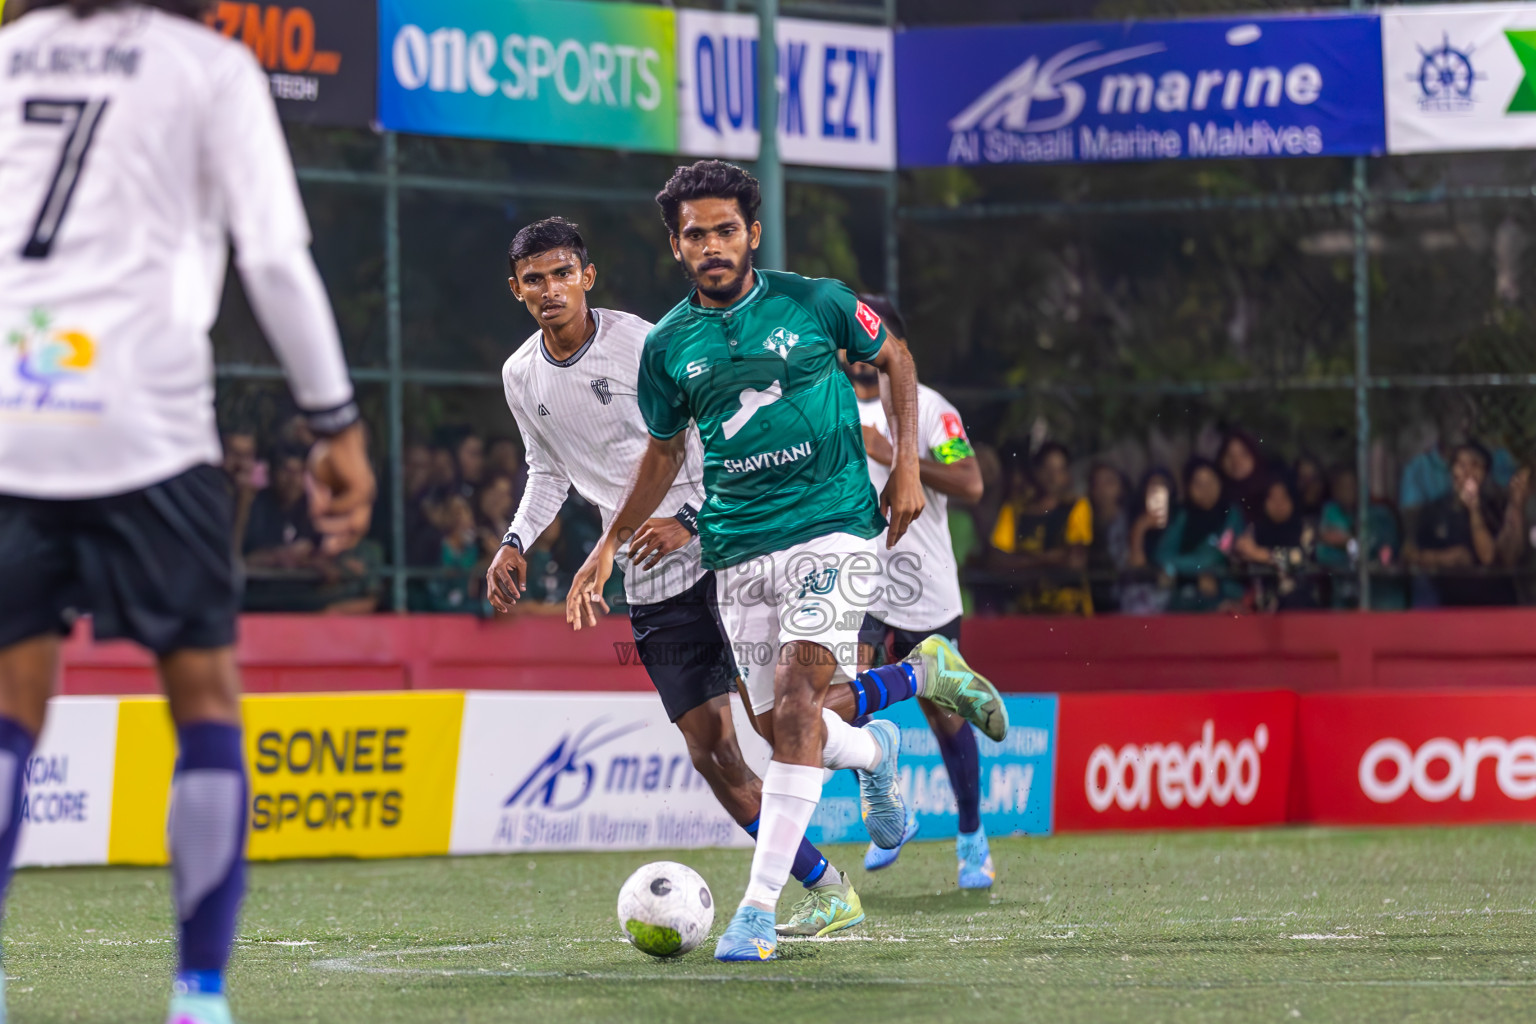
{"x": 820, "y": 582}
{"x": 48, "y": 359}
{"x": 600, "y": 389}
{"x": 781, "y": 341}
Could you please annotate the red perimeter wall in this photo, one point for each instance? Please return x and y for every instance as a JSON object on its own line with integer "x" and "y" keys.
{"x": 1303, "y": 652}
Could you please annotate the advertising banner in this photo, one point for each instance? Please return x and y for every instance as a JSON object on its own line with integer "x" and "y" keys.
{"x": 563, "y": 771}
{"x": 366, "y": 775}
{"x": 1169, "y": 760}
{"x": 1017, "y": 778}
{"x": 1155, "y": 90}
{"x": 1418, "y": 758}
{"x": 319, "y": 55}
{"x": 67, "y": 804}
{"x": 1460, "y": 77}
{"x": 837, "y": 90}
{"x": 563, "y": 71}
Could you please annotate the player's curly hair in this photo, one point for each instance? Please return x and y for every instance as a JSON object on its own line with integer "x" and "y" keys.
{"x": 709, "y": 179}
{"x": 194, "y": 9}
{"x": 546, "y": 235}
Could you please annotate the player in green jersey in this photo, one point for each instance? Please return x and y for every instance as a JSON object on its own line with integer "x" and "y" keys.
{"x": 790, "y": 521}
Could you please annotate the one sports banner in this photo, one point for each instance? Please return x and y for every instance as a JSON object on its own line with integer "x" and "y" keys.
{"x": 1460, "y": 77}
{"x": 837, "y": 90}
{"x": 1140, "y": 90}
{"x": 562, "y": 71}
{"x": 319, "y": 55}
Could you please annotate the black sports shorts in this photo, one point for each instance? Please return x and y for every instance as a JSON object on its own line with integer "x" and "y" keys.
{"x": 683, "y": 648}
{"x": 155, "y": 566}
{"x": 873, "y": 632}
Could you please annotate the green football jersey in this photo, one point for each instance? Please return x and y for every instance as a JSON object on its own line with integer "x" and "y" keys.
{"x": 783, "y": 451}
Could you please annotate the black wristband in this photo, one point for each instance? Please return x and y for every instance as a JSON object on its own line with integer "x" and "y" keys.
{"x": 689, "y": 517}
{"x": 330, "y": 422}
{"x": 514, "y": 540}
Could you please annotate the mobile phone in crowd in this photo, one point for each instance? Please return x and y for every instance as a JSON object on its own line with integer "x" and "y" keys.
{"x": 1157, "y": 505}
{"x": 261, "y": 474}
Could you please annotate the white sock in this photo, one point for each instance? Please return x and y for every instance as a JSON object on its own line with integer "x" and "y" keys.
{"x": 848, "y": 746}
{"x": 790, "y": 795}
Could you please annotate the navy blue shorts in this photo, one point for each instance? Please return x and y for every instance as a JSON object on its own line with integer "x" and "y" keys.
{"x": 683, "y": 648}
{"x": 873, "y": 632}
{"x": 155, "y": 566}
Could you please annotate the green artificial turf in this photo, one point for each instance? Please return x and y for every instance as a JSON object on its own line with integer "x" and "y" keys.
{"x": 1282, "y": 925}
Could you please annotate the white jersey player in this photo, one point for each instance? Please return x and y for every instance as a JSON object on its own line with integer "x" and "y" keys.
{"x": 135, "y": 144}
{"x": 927, "y": 599}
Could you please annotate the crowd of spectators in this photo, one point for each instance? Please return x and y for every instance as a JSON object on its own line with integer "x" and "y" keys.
{"x": 1246, "y": 532}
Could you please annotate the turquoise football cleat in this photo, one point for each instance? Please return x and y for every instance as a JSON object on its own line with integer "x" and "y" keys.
{"x": 885, "y": 815}
{"x": 875, "y": 858}
{"x": 749, "y": 937}
{"x": 976, "y": 871}
{"x": 199, "y": 1008}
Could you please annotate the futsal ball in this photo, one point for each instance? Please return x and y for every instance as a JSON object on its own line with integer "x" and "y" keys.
{"x": 666, "y": 909}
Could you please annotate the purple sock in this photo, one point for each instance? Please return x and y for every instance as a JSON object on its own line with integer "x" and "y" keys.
{"x": 15, "y": 749}
{"x": 963, "y": 763}
{"x": 881, "y": 687}
{"x": 207, "y": 839}
{"x": 809, "y": 864}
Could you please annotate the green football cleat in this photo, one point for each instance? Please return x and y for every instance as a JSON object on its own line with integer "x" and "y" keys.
{"x": 824, "y": 910}
{"x": 954, "y": 686}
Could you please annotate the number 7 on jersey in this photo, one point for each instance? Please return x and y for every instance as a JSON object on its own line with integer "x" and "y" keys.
{"x": 80, "y": 118}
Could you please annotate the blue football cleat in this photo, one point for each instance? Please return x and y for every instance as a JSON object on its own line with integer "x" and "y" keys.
{"x": 885, "y": 815}
{"x": 876, "y": 858}
{"x": 749, "y": 936}
{"x": 976, "y": 871}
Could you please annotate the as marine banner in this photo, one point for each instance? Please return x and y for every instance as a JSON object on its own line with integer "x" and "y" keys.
{"x": 1140, "y": 90}
{"x": 1460, "y": 77}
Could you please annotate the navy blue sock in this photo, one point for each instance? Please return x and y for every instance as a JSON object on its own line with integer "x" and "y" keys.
{"x": 207, "y": 838}
{"x": 881, "y": 687}
{"x": 809, "y": 864}
{"x": 963, "y": 763}
{"x": 15, "y": 749}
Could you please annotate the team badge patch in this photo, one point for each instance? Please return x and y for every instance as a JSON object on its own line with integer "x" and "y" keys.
{"x": 600, "y": 389}
{"x": 952, "y": 425}
{"x": 868, "y": 319}
{"x": 781, "y": 341}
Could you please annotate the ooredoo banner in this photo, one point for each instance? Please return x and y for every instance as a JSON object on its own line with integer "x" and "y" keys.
{"x": 1418, "y": 758}
{"x": 319, "y": 55}
{"x": 1170, "y": 760}
{"x": 66, "y": 805}
{"x": 565, "y": 71}
{"x": 837, "y": 90}
{"x": 1140, "y": 90}
{"x": 563, "y": 771}
{"x": 1460, "y": 77}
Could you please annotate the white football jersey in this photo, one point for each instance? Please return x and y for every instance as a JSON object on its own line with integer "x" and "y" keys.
{"x": 922, "y": 584}
{"x": 133, "y": 144}
{"x": 581, "y": 424}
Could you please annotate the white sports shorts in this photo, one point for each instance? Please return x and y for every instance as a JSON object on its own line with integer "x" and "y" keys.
{"x": 817, "y": 590}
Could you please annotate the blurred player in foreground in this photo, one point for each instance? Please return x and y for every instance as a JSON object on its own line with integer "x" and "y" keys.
{"x": 133, "y": 142}
{"x": 572, "y": 390}
{"x": 930, "y": 617}
{"x": 751, "y": 357}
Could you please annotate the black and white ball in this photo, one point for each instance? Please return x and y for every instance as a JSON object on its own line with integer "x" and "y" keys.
{"x": 666, "y": 909}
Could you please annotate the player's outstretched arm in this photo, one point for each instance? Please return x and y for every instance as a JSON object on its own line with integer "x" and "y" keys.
{"x": 653, "y": 478}
{"x": 902, "y": 500}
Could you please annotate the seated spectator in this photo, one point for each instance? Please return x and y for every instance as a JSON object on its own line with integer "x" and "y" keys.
{"x": 1311, "y": 489}
{"x": 1244, "y": 476}
{"x": 469, "y": 461}
{"x": 244, "y": 476}
{"x": 1339, "y": 553}
{"x": 494, "y": 505}
{"x": 1462, "y": 535}
{"x": 1140, "y": 594}
{"x": 548, "y": 580}
{"x": 1108, "y": 553}
{"x": 457, "y": 591}
{"x": 1280, "y": 541}
{"x": 504, "y": 458}
{"x": 1044, "y": 540}
{"x": 280, "y": 534}
{"x": 422, "y": 537}
{"x": 1194, "y": 551}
